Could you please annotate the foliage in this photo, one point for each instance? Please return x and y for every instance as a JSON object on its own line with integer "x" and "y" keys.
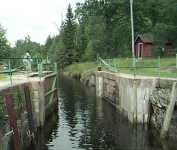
{"x": 89, "y": 52}
{"x": 103, "y": 27}
{"x": 146, "y": 67}
{"x": 69, "y": 32}
{"x": 78, "y": 68}
{"x": 4, "y": 45}
{"x": 26, "y": 45}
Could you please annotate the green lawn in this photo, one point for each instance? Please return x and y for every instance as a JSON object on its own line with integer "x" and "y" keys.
{"x": 147, "y": 66}
{"x": 79, "y": 68}
{"x": 2, "y": 77}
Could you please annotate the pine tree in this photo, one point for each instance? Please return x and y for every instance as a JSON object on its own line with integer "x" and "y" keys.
{"x": 69, "y": 32}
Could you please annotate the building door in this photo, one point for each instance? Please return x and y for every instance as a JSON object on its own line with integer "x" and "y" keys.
{"x": 140, "y": 50}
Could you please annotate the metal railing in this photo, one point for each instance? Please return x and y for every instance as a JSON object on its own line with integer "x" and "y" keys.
{"x": 12, "y": 66}
{"x": 140, "y": 66}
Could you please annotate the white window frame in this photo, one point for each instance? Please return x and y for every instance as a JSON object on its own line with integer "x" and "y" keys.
{"x": 140, "y": 48}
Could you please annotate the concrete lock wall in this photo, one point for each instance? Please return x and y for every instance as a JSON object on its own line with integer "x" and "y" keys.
{"x": 37, "y": 96}
{"x": 128, "y": 94}
{"x": 38, "y": 101}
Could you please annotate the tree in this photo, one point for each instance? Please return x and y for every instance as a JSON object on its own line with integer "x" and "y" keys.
{"x": 26, "y": 45}
{"x": 90, "y": 54}
{"x": 4, "y": 45}
{"x": 48, "y": 44}
{"x": 103, "y": 27}
{"x": 68, "y": 37}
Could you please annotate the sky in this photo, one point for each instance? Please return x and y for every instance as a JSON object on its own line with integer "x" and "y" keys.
{"x": 36, "y": 18}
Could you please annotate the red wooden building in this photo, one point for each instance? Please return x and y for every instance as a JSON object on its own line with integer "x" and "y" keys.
{"x": 168, "y": 47}
{"x": 144, "y": 46}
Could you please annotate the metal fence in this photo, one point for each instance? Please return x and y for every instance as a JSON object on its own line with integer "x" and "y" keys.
{"x": 12, "y": 66}
{"x": 158, "y": 67}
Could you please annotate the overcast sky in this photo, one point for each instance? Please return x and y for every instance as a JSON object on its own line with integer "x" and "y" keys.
{"x": 36, "y": 18}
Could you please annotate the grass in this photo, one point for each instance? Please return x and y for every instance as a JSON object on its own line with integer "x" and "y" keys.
{"x": 79, "y": 68}
{"x": 146, "y": 67}
{"x": 149, "y": 66}
{"x": 2, "y": 77}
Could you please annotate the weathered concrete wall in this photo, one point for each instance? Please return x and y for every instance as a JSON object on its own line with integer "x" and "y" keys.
{"x": 88, "y": 79}
{"x": 41, "y": 103}
{"x": 134, "y": 94}
{"x": 37, "y": 88}
{"x": 18, "y": 100}
{"x": 38, "y": 101}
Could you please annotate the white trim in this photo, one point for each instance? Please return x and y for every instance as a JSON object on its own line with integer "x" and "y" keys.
{"x": 140, "y": 45}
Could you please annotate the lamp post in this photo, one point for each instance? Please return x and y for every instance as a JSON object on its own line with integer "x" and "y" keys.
{"x": 132, "y": 28}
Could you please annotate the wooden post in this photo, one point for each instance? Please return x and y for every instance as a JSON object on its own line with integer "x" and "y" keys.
{"x": 13, "y": 121}
{"x": 53, "y": 88}
{"x": 29, "y": 110}
{"x": 169, "y": 112}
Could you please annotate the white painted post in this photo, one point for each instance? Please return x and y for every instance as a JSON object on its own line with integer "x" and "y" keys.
{"x": 135, "y": 103}
{"x": 169, "y": 112}
{"x": 99, "y": 85}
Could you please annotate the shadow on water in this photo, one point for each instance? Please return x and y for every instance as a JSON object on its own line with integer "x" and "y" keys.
{"x": 83, "y": 122}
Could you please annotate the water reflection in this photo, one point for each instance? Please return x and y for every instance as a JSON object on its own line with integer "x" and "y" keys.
{"x": 83, "y": 122}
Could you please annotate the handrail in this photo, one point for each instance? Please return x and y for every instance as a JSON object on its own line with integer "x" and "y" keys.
{"x": 6, "y": 58}
{"x": 110, "y": 65}
{"x": 37, "y": 66}
{"x": 13, "y": 70}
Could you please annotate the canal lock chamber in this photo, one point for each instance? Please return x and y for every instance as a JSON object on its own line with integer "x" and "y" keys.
{"x": 84, "y": 121}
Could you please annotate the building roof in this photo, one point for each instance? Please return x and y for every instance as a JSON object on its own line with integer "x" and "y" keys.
{"x": 146, "y": 38}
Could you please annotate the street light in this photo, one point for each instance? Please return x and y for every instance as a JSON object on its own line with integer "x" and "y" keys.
{"x": 132, "y": 28}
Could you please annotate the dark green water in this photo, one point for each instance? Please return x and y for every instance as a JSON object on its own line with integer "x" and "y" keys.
{"x": 83, "y": 122}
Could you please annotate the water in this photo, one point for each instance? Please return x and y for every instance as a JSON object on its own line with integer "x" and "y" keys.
{"x": 83, "y": 122}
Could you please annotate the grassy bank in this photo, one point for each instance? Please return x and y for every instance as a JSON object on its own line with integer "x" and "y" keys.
{"x": 165, "y": 67}
{"x": 2, "y": 77}
{"x": 80, "y": 68}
